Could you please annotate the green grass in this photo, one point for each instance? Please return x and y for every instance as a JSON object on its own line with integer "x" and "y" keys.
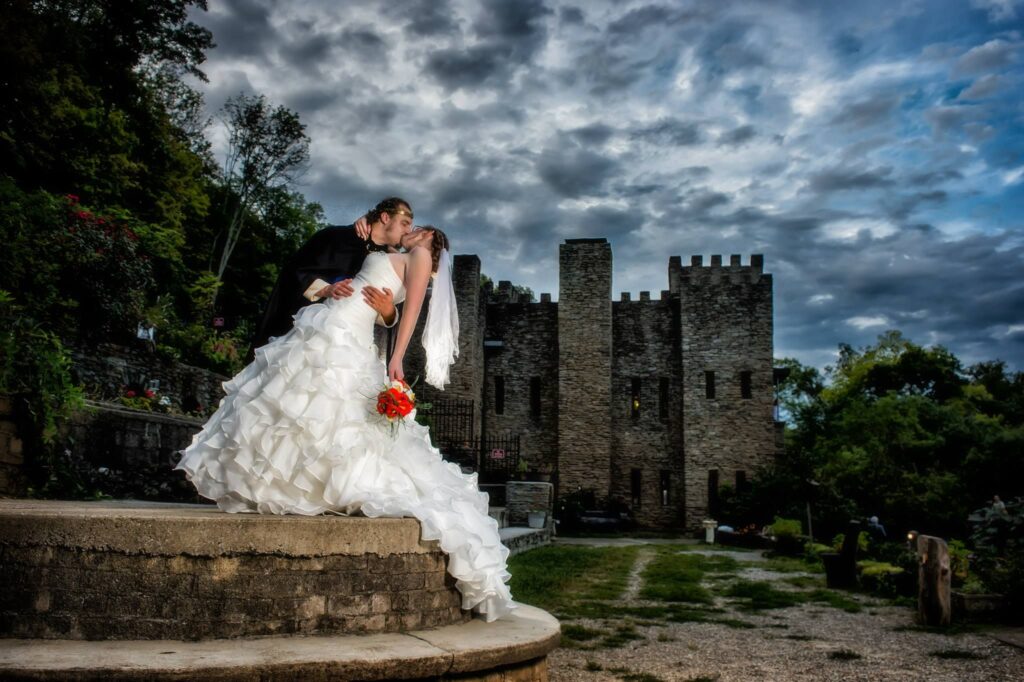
{"x": 623, "y": 635}
{"x": 803, "y": 581}
{"x": 785, "y": 564}
{"x": 578, "y": 633}
{"x": 734, "y": 623}
{"x": 556, "y": 578}
{"x": 641, "y": 677}
{"x": 844, "y": 655}
{"x": 675, "y": 576}
{"x": 750, "y": 595}
{"x": 961, "y": 654}
{"x": 760, "y": 596}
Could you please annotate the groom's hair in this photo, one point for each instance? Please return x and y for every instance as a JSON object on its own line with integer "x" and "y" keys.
{"x": 389, "y": 206}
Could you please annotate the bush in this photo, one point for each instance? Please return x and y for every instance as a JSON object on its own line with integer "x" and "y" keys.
{"x": 998, "y": 538}
{"x": 884, "y": 578}
{"x": 787, "y": 534}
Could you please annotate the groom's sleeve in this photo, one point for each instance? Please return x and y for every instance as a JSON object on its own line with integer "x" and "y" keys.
{"x": 381, "y": 322}
{"x": 310, "y": 293}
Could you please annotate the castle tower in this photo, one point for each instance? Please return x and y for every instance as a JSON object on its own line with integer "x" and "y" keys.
{"x": 468, "y": 371}
{"x": 584, "y": 365}
{"x": 726, "y": 357}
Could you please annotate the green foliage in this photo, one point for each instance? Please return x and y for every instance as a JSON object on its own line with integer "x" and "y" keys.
{"x": 894, "y": 430}
{"x": 785, "y": 527}
{"x": 881, "y": 577}
{"x": 35, "y": 371}
{"x": 675, "y": 576}
{"x": 998, "y": 538}
{"x": 562, "y": 579}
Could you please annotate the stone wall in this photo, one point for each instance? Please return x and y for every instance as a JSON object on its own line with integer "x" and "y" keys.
{"x": 129, "y": 453}
{"x": 106, "y": 369}
{"x": 522, "y": 342}
{"x": 647, "y": 440}
{"x": 131, "y": 571}
{"x": 726, "y": 329}
{"x": 585, "y": 365}
{"x": 523, "y": 497}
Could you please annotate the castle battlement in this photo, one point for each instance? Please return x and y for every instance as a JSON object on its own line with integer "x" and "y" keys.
{"x": 735, "y": 272}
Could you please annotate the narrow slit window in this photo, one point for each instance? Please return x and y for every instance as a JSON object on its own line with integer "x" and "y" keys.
{"x": 535, "y": 397}
{"x": 709, "y": 384}
{"x": 663, "y": 398}
{"x": 634, "y": 400}
{"x": 499, "y": 395}
{"x": 713, "y": 492}
{"x": 666, "y": 488}
{"x": 634, "y": 483}
{"x": 741, "y": 481}
{"x": 745, "y": 391}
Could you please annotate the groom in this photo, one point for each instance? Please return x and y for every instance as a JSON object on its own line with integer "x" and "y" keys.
{"x": 325, "y": 265}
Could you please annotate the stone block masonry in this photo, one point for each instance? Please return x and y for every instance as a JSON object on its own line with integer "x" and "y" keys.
{"x": 646, "y": 402}
{"x": 136, "y": 570}
{"x": 584, "y": 365}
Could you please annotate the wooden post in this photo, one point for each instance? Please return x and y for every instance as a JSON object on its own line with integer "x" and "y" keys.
{"x": 933, "y": 581}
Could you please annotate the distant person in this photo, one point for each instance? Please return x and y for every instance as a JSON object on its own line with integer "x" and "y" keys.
{"x": 999, "y": 507}
{"x": 876, "y": 529}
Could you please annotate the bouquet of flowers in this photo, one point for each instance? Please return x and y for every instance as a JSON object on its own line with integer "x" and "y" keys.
{"x": 395, "y": 402}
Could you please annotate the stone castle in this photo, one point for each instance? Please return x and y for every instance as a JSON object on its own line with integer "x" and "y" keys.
{"x": 651, "y": 403}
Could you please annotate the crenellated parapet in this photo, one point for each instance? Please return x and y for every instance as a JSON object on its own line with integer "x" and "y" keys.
{"x": 735, "y": 272}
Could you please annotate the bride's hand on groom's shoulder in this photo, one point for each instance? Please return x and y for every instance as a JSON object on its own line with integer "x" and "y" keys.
{"x": 362, "y": 227}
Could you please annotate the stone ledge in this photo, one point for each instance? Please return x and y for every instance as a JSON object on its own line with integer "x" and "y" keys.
{"x": 521, "y": 639}
{"x": 157, "y": 528}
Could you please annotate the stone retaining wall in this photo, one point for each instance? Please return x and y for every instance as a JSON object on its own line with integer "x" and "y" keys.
{"x": 12, "y": 480}
{"x": 93, "y": 571}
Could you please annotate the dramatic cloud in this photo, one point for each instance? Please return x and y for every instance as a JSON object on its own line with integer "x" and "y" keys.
{"x": 872, "y": 151}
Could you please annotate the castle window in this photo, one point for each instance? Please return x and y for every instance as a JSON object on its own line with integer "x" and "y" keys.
{"x": 666, "y": 488}
{"x": 713, "y": 492}
{"x": 634, "y": 401}
{"x": 709, "y": 384}
{"x": 499, "y": 395}
{"x": 741, "y": 481}
{"x": 663, "y": 398}
{"x": 535, "y": 397}
{"x": 634, "y": 482}
{"x": 745, "y": 385}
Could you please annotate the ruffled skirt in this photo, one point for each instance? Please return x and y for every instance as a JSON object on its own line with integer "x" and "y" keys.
{"x": 297, "y": 433}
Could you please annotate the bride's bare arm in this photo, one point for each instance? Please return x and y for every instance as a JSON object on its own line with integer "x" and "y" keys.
{"x": 417, "y": 275}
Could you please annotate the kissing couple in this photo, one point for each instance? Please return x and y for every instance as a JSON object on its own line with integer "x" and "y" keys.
{"x": 297, "y": 431}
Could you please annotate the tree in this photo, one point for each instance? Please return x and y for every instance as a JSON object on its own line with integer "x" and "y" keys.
{"x": 267, "y": 150}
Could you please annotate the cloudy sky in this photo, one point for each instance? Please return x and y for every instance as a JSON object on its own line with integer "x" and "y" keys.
{"x": 873, "y": 151}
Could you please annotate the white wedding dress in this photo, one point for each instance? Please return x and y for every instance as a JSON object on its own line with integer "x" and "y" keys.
{"x": 298, "y": 433}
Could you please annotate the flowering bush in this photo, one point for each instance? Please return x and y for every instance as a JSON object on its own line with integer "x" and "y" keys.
{"x": 102, "y": 271}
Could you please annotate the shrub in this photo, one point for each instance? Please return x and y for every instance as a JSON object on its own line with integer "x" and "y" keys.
{"x": 998, "y": 539}
{"x": 882, "y": 578}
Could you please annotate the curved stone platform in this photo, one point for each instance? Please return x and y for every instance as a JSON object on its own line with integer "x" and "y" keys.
{"x": 136, "y": 571}
{"x": 513, "y": 649}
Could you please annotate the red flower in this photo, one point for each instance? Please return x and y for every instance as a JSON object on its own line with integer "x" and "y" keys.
{"x": 129, "y": 394}
{"x": 73, "y": 198}
{"x": 83, "y": 214}
{"x": 149, "y": 394}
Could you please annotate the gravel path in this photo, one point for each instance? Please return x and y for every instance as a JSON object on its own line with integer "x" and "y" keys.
{"x": 806, "y": 642}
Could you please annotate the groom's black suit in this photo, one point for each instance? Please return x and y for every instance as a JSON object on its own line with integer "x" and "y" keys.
{"x": 332, "y": 254}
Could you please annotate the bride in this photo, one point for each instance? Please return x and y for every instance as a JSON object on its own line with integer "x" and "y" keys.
{"x": 298, "y": 432}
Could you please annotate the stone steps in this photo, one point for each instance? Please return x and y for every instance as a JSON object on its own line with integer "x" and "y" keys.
{"x": 516, "y": 644}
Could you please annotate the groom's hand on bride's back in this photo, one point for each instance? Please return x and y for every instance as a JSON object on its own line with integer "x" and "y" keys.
{"x": 342, "y": 289}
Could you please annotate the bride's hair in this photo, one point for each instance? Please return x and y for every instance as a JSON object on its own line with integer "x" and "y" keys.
{"x": 389, "y": 206}
{"x": 439, "y": 243}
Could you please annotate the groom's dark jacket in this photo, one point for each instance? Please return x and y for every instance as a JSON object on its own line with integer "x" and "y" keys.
{"x": 332, "y": 254}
